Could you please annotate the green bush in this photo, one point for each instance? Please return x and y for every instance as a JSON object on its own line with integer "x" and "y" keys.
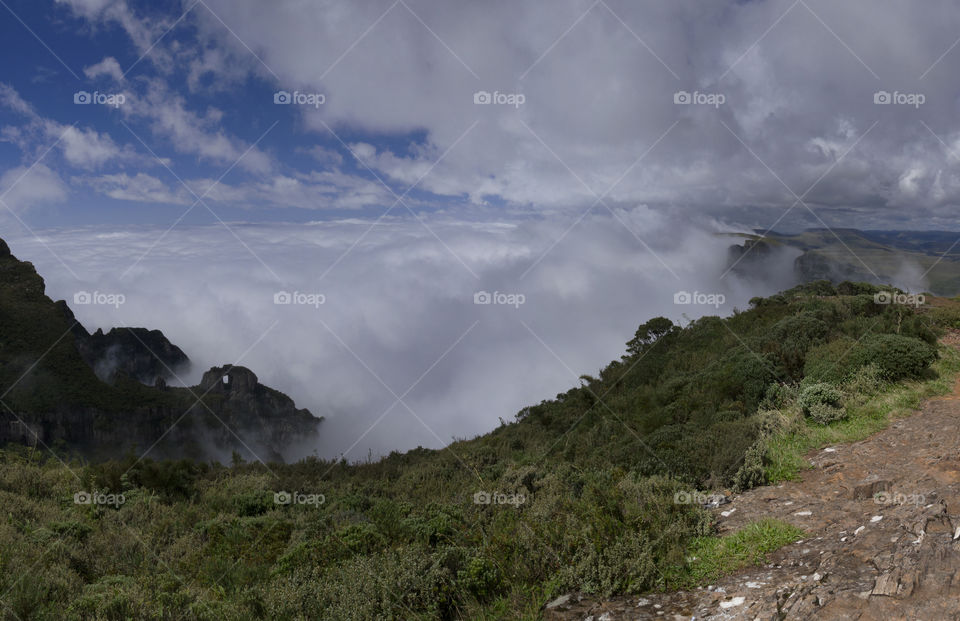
{"x": 898, "y": 357}
{"x": 822, "y": 402}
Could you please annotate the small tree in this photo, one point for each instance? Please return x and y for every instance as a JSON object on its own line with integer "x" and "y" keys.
{"x": 648, "y": 334}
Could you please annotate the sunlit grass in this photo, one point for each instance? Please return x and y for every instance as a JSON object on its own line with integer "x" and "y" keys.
{"x": 786, "y": 452}
{"x": 710, "y": 558}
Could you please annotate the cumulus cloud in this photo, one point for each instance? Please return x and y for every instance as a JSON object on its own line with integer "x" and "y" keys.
{"x": 798, "y": 83}
{"x": 23, "y": 187}
{"x": 82, "y": 147}
{"x": 599, "y": 83}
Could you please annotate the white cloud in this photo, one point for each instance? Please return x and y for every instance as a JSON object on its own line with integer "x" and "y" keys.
{"x": 86, "y": 148}
{"x": 191, "y": 133}
{"x": 140, "y": 187}
{"x": 599, "y": 98}
{"x": 23, "y": 187}
{"x": 106, "y": 67}
{"x": 398, "y": 300}
{"x": 598, "y": 82}
{"x": 325, "y": 157}
{"x": 316, "y": 190}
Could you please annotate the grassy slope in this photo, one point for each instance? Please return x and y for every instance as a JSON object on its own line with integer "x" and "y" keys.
{"x": 787, "y": 452}
{"x": 598, "y": 468}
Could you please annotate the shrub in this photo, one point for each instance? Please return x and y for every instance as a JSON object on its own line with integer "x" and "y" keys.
{"x": 793, "y": 336}
{"x": 778, "y": 397}
{"x": 822, "y": 402}
{"x": 866, "y": 380}
{"x": 897, "y": 356}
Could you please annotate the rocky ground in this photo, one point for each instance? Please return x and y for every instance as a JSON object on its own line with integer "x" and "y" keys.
{"x": 884, "y": 521}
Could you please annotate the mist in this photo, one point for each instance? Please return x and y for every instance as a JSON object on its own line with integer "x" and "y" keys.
{"x": 387, "y": 335}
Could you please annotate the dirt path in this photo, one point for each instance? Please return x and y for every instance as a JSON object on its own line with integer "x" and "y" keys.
{"x": 884, "y": 515}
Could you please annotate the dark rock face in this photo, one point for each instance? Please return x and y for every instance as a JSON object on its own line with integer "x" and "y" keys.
{"x": 229, "y": 380}
{"x": 750, "y": 255}
{"x": 145, "y": 355}
{"x": 102, "y": 395}
{"x": 4, "y": 249}
{"x": 812, "y": 265}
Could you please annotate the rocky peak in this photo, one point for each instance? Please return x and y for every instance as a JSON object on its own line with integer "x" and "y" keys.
{"x": 142, "y": 354}
{"x": 229, "y": 379}
{"x": 58, "y": 397}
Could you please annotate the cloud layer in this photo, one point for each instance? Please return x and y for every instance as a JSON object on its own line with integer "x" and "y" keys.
{"x": 398, "y": 317}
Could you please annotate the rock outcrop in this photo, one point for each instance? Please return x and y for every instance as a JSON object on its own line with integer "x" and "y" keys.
{"x": 142, "y": 354}
{"x": 102, "y": 395}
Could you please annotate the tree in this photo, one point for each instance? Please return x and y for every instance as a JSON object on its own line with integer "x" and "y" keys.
{"x": 648, "y": 334}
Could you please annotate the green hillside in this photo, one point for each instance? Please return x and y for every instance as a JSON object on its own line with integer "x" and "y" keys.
{"x": 594, "y": 490}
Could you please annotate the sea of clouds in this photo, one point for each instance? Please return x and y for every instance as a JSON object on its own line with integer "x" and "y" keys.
{"x": 401, "y": 332}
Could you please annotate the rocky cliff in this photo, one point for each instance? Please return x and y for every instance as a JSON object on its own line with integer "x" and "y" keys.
{"x": 103, "y": 394}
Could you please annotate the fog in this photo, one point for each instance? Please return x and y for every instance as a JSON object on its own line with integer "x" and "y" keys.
{"x": 383, "y": 337}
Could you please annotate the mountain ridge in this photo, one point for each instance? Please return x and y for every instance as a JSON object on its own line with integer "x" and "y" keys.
{"x": 102, "y": 394}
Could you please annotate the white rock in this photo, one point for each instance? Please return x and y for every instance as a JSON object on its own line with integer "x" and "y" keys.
{"x": 788, "y": 503}
{"x": 803, "y": 513}
{"x": 560, "y": 601}
{"x": 736, "y": 601}
{"x": 643, "y": 601}
{"x": 857, "y": 532}
{"x": 754, "y": 585}
{"x": 829, "y": 449}
{"x": 727, "y": 513}
{"x": 876, "y": 518}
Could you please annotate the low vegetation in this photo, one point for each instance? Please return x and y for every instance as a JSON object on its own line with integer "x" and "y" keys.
{"x": 595, "y": 490}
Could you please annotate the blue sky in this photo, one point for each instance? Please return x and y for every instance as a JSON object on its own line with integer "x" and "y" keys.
{"x": 57, "y": 51}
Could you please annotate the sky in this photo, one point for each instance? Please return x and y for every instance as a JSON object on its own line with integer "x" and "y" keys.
{"x": 395, "y": 158}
